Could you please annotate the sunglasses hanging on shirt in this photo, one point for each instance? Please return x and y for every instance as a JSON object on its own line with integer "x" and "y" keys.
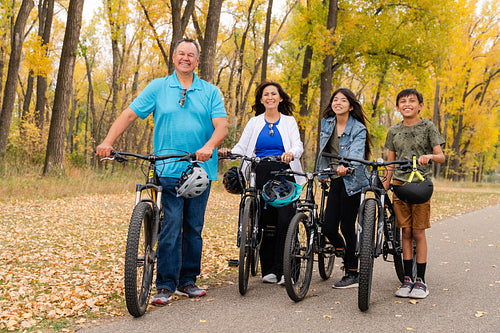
{"x": 182, "y": 100}
{"x": 271, "y": 131}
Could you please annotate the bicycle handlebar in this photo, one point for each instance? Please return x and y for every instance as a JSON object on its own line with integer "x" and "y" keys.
{"x": 119, "y": 156}
{"x": 232, "y": 156}
{"x": 290, "y": 172}
{"x": 343, "y": 160}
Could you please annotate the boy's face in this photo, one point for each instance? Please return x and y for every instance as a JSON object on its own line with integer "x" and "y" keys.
{"x": 409, "y": 106}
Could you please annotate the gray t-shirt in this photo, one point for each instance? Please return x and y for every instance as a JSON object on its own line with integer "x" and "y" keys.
{"x": 333, "y": 146}
{"x": 406, "y": 141}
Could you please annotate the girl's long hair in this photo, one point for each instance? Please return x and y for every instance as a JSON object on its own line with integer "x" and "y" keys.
{"x": 356, "y": 112}
{"x": 285, "y": 107}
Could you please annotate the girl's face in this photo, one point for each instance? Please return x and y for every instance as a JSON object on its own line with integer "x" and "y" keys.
{"x": 340, "y": 104}
{"x": 271, "y": 97}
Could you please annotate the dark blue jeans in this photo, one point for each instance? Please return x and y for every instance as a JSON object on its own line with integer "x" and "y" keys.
{"x": 180, "y": 243}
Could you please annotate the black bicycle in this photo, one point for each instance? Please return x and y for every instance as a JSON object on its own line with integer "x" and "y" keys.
{"x": 377, "y": 232}
{"x": 143, "y": 231}
{"x": 250, "y": 231}
{"x": 305, "y": 238}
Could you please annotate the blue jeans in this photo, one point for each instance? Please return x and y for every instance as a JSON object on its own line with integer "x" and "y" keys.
{"x": 179, "y": 243}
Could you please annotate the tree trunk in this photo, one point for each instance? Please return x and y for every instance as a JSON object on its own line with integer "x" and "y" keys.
{"x": 45, "y": 16}
{"x": 209, "y": 45}
{"x": 304, "y": 88}
{"x": 9, "y": 95}
{"x": 265, "y": 48}
{"x": 381, "y": 83}
{"x": 55, "y": 144}
{"x": 435, "y": 120}
{"x": 179, "y": 25}
{"x": 327, "y": 74}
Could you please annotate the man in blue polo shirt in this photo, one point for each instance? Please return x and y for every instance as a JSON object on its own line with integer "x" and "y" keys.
{"x": 189, "y": 115}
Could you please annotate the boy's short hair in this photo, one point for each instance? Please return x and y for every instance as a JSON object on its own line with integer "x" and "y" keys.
{"x": 408, "y": 92}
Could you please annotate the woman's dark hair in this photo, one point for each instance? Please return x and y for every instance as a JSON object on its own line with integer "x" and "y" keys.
{"x": 285, "y": 107}
{"x": 356, "y": 112}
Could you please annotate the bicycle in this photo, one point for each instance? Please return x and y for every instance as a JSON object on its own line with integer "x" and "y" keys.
{"x": 250, "y": 232}
{"x": 377, "y": 232}
{"x": 143, "y": 231}
{"x": 305, "y": 238}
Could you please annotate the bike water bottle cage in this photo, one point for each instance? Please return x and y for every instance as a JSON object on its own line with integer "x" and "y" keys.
{"x": 193, "y": 182}
{"x": 414, "y": 193}
{"x": 233, "y": 180}
{"x": 280, "y": 192}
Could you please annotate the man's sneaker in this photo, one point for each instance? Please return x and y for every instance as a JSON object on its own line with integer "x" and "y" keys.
{"x": 162, "y": 297}
{"x": 190, "y": 291}
{"x": 419, "y": 290}
{"x": 270, "y": 278}
{"x": 406, "y": 288}
{"x": 282, "y": 281}
{"x": 348, "y": 281}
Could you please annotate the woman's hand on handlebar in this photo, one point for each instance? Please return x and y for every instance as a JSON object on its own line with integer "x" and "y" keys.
{"x": 287, "y": 157}
{"x": 223, "y": 151}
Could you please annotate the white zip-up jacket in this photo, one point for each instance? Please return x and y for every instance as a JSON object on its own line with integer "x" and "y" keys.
{"x": 290, "y": 135}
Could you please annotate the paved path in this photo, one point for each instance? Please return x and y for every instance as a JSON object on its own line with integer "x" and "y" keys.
{"x": 463, "y": 276}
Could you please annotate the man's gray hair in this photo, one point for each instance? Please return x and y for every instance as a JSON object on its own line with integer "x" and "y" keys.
{"x": 187, "y": 40}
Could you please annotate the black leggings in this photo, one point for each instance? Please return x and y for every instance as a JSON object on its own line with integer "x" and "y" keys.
{"x": 273, "y": 218}
{"x": 342, "y": 209}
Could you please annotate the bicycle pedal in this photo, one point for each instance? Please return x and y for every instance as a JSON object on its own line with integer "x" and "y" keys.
{"x": 233, "y": 262}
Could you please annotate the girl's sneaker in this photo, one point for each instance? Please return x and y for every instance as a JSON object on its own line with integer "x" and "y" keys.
{"x": 419, "y": 290}
{"x": 406, "y": 288}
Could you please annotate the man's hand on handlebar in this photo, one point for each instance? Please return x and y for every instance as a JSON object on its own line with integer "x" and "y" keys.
{"x": 104, "y": 150}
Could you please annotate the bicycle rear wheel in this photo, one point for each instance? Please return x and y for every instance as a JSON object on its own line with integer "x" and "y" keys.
{"x": 298, "y": 257}
{"x": 139, "y": 259}
{"x": 366, "y": 254}
{"x": 326, "y": 258}
{"x": 247, "y": 251}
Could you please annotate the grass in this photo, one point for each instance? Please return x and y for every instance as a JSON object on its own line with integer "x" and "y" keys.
{"x": 68, "y": 234}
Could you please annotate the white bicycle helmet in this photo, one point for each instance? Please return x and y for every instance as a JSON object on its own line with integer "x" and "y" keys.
{"x": 193, "y": 182}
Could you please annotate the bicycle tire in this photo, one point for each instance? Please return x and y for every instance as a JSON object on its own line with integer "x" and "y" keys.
{"x": 366, "y": 254}
{"x": 246, "y": 250}
{"x": 326, "y": 258}
{"x": 298, "y": 257}
{"x": 140, "y": 259}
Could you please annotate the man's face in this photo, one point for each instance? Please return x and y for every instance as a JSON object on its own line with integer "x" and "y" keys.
{"x": 185, "y": 58}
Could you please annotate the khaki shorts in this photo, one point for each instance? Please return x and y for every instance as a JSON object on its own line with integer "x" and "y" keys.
{"x": 417, "y": 216}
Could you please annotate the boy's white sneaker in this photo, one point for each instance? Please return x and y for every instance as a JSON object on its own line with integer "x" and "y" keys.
{"x": 419, "y": 290}
{"x": 406, "y": 288}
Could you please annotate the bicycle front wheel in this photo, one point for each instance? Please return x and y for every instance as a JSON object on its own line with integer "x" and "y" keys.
{"x": 139, "y": 259}
{"x": 246, "y": 249}
{"x": 298, "y": 257}
{"x": 366, "y": 253}
{"x": 326, "y": 258}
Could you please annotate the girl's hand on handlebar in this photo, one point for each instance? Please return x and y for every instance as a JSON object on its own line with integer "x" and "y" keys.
{"x": 287, "y": 157}
{"x": 223, "y": 152}
{"x": 342, "y": 170}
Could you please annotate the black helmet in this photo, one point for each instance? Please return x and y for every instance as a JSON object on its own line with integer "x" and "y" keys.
{"x": 279, "y": 193}
{"x": 233, "y": 180}
{"x": 414, "y": 193}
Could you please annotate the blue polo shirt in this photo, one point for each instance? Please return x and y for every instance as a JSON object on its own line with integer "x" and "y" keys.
{"x": 180, "y": 128}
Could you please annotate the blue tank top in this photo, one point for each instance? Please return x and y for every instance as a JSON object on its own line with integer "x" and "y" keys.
{"x": 269, "y": 141}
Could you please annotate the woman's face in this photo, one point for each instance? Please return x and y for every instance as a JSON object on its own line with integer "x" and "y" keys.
{"x": 340, "y": 104}
{"x": 271, "y": 97}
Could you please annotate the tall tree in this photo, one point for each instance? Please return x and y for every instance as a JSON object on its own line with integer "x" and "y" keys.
{"x": 9, "y": 95}
{"x": 265, "y": 48}
{"x": 209, "y": 42}
{"x": 57, "y": 132}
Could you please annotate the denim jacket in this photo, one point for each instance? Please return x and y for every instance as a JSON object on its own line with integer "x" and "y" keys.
{"x": 352, "y": 144}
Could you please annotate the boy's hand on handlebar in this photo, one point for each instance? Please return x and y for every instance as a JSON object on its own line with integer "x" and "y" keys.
{"x": 104, "y": 150}
{"x": 287, "y": 157}
{"x": 424, "y": 159}
{"x": 223, "y": 152}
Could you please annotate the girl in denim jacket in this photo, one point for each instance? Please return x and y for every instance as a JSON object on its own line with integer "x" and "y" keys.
{"x": 344, "y": 132}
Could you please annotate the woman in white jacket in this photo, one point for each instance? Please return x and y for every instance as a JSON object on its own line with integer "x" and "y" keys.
{"x": 272, "y": 132}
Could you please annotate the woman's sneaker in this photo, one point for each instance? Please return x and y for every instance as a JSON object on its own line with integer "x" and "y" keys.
{"x": 406, "y": 288}
{"x": 419, "y": 290}
{"x": 270, "y": 278}
{"x": 348, "y": 281}
{"x": 162, "y": 297}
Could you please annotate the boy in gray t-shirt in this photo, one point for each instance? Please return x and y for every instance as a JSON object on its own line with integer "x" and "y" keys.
{"x": 419, "y": 137}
